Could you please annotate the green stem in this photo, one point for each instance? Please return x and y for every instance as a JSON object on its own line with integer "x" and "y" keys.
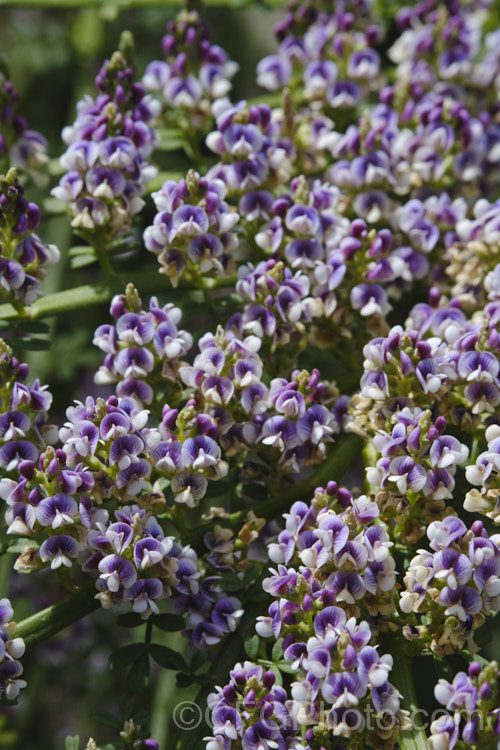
{"x": 414, "y": 738}
{"x": 90, "y": 295}
{"x": 50, "y": 621}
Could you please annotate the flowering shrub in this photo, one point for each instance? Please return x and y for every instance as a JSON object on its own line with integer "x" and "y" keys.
{"x": 284, "y": 479}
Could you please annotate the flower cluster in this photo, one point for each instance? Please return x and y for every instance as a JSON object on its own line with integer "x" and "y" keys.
{"x": 23, "y": 414}
{"x": 472, "y": 702}
{"x": 194, "y": 74}
{"x": 456, "y": 585}
{"x": 23, "y": 255}
{"x": 11, "y": 649}
{"x": 141, "y": 347}
{"x": 289, "y": 415}
{"x": 485, "y": 473}
{"x": 338, "y": 552}
{"x": 191, "y": 232}
{"x": 108, "y": 149}
{"x": 186, "y": 452}
{"x": 20, "y": 147}
{"x": 254, "y": 151}
{"x": 342, "y": 679}
{"x": 442, "y": 44}
{"x": 331, "y": 63}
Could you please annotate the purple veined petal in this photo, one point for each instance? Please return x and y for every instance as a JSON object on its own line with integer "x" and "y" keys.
{"x": 11, "y": 454}
{"x": 279, "y": 432}
{"x": 407, "y": 474}
{"x": 118, "y": 152}
{"x": 304, "y": 253}
{"x": 329, "y": 620}
{"x": 189, "y": 221}
{"x": 117, "y": 572}
{"x": 218, "y": 390}
{"x": 115, "y": 425}
{"x": 253, "y": 399}
{"x": 242, "y": 140}
{"x": 461, "y": 601}
{"x": 227, "y": 721}
{"x": 59, "y": 550}
{"x": 13, "y": 424}
{"x": 166, "y": 457}
{"x": 12, "y": 274}
{"x": 226, "y": 613}
{"x": 343, "y": 690}
{"x": 261, "y": 736}
{"x": 56, "y": 511}
{"x": 188, "y": 488}
{"x": 291, "y": 403}
{"x": 118, "y": 535}
{"x": 475, "y": 365}
{"x": 302, "y": 220}
{"x": 372, "y": 667}
{"x": 447, "y": 451}
{"x": 486, "y": 577}
{"x": 199, "y": 453}
{"x": 370, "y": 299}
{"x": 456, "y": 568}
{"x": 335, "y": 528}
{"x": 6, "y": 611}
{"x": 137, "y": 389}
{"x": 134, "y": 362}
{"x": 203, "y": 249}
{"x": 144, "y": 593}
{"x": 317, "y": 424}
{"x": 273, "y": 72}
{"x": 125, "y": 449}
{"x": 439, "y": 484}
{"x": 85, "y": 438}
{"x": 344, "y": 94}
{"x": 442, "y": 534}
{"x": 135, "y": 329}
{"x": 148, "y": 552}
{"x": 105, "y": 183}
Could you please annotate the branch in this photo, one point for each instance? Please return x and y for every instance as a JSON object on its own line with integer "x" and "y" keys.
{"x": 55, "y": 618}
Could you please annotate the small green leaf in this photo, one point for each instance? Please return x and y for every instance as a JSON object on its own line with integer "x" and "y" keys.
{"x": 108, "y": 720}
{"x": 33, "y": 344}
{"x": 130, "y": 620}
{"x": 138, "y": 677}
{"x": 252, "y": 646}
{"x": 73, "y": 743}
{"x": 184, "y": 680}
{"x": 168, "y": 658}
{"x": 199, "y": 658}
{"x": 230, "y": 582}
{"x": 169, "y": 623}
{"x": 82, "y": 260}
{"x": 250, "y": 574}
{"x": 125, "y": 655}
{"x": 277, "y": 652}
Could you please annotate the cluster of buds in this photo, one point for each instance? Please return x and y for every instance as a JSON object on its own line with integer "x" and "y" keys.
{"x": 23, "y": 255}
{"x": 472, "y": 701}
{"x": 332, "y": 64}
{"x": 20, "y": 147}
{"x": 109, "y": 145}
{"x": 142, "y": 347}
{"x": 457, "y": 585}
{"x": 193, "y": 75}
{"x": 191, "y": 232}
{"x": 23, "y": 412}
{"x": 339, "y": 552}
